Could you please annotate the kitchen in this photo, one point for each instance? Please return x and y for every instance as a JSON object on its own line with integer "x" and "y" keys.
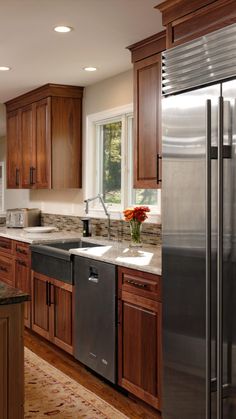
{"x": 153, "y": 377}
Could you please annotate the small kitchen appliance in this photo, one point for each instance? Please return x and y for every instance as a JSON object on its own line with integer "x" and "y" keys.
{"x": 23, "y": 217}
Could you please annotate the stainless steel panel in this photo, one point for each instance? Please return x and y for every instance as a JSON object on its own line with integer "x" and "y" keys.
{"x": 207, "y": 60}
{"x": 229, "y": 243}
{"x": 184, "y": 252}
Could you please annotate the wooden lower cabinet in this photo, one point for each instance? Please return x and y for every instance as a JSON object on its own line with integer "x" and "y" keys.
{"x": 52, "y": 307}
{"x": 11, "y": 362}
{"x": 6, "y": 270}
{"x": 139, "y": 339}
{"x": 22, "y": 281}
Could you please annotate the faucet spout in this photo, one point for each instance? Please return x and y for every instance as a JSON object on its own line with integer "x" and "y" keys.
{"x": 99, "y": 196}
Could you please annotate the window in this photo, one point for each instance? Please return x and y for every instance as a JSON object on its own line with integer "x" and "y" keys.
{"x": 110, "y": 162}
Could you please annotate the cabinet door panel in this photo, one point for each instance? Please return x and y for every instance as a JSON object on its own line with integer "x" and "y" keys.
{"x": 42, "y": 172}
{"x": 62, "y": 318}
{"x": 140, "y": 348}
{"x": 13, "y": 150}
{"x": 139, "y": 345}
{"x": 40, "y": 309}
{"x": 7, "y": 270}
{"x": 22, "y": 281}
{"x": 27, "y": 145}
{"x": 147, "y": 132}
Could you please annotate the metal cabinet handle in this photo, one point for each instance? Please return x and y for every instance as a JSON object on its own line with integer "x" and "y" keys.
{"x": 158, "y": 168}
{"x": 17, "y": 177}
{"x": 4, "y": 246}
{"x": 22, "y": 251}
{"x": 47, "y": 300}
{"x": 137, "y": 284}
{"x": 33, "y": 171}
{"x": 22, "y": 263}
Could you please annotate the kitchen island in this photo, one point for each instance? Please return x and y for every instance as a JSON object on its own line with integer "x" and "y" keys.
{"x": 11, "y": 352}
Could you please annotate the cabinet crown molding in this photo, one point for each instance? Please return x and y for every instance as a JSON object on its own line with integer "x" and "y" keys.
{"x": 148, "y": 46}
{"x": 175, "y": 9}
{"x": 47, "y": 90}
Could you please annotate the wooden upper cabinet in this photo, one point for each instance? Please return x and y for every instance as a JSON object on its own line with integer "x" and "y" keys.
{"x": 27, "y": 139}
{"x": 13, "y": 150}
{"x": 146, "y": 56}
{"x": 46, "y": 124}
{"x": 186, "y": 20}
{"x": 41, "y": 173}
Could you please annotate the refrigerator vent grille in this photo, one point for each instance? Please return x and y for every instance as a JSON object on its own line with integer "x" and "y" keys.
{"x": 204, "y": 61}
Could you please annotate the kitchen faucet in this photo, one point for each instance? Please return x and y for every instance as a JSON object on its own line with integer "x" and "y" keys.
{"x": 99, "y": 196}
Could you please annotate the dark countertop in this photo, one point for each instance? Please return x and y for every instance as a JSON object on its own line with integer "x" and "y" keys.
{"x": 10, "y": 295}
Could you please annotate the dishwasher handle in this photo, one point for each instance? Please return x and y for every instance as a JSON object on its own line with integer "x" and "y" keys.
{"x": 93, "y": 274}
{"x": 93, "y": 279}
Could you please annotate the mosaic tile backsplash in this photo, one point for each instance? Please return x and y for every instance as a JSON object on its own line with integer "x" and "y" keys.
{"x": 120, "y": 230}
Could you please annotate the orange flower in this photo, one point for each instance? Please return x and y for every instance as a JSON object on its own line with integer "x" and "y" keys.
{"x": 136, "y": 213}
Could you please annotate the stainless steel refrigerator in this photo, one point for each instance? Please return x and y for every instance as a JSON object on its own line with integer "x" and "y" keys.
{"x": 199, "y": 228}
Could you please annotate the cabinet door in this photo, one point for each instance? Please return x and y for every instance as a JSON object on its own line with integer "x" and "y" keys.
{"x": 147, "y": 125}
{"x": 140, "y": 347}
{"x": 61, "y": 303}
{"x": 27, "y": 138}
{"x": 42, "y": 171}
{"x": 11, "y": 362}
{"x": 13, "y": 151}
{"x": 22, "y": 281}
{"x": 7, "y": 270}
{"x": 40, "y": 305}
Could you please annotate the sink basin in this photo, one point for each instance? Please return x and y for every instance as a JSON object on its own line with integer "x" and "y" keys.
{"x": 72, "y": 245}
{"x": 54, "y": 259}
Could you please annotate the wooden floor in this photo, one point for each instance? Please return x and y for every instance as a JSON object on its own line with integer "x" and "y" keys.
{"x": 67, "y": 364}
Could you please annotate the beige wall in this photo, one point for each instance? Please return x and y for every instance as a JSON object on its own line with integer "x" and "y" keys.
{"x": 110, "y": 93}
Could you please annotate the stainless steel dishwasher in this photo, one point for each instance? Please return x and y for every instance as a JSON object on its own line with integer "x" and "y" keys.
{"x": 95, "y": 332}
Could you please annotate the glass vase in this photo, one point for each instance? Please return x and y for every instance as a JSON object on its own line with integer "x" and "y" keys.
{"x": 135, "y": 231}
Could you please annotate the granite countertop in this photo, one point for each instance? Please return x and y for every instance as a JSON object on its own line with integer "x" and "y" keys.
{"x": 10, "y": 295}
{"x": 33, "y": 238}
{"x": 146, "y": 259}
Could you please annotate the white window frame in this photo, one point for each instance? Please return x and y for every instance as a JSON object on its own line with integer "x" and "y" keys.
{"x": 92, "y": 162}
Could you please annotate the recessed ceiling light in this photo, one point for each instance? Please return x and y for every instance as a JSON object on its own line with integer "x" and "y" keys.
{"x": 63, "y": 29}
{"x": 4, "y": 68}
{"x": 90, "y": 68}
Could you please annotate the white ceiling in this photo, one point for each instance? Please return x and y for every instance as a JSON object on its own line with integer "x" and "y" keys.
{"x": 38, "y": 55}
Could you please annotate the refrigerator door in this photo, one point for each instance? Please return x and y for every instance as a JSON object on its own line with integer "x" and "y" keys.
{"x": 185, "y": 126}
{"x": 229, "y": 242}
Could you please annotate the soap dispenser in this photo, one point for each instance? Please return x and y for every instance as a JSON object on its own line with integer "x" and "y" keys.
{"x": 86, "y": 227}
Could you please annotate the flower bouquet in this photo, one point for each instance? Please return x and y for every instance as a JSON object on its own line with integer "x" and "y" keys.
{"x": 136, "y": 216}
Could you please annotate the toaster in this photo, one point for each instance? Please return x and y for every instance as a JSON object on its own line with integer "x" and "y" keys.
{"x": 23, "y": 217}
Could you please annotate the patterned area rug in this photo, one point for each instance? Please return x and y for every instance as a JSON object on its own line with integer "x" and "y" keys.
{"x": 51, "y": 393}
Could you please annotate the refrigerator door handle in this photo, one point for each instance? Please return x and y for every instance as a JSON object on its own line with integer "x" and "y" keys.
{"x": 208, "y": 258}
{"x": 219, "y": 332}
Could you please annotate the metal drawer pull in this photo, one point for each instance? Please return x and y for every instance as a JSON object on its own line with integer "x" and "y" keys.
{"x": 21, "y": 251}
{"x": 137, "y": 284}
{"x": 21, "y": 263}
{"x": 5, "y": 246}
{"x": 93, "y": 279}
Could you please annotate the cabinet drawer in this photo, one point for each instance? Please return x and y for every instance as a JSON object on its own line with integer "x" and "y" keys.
{"x": 6, "y": 245}
{"x": 140, "y": 283}
{"x": 22, "y": 251}
{"x": 6, "y": 270}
